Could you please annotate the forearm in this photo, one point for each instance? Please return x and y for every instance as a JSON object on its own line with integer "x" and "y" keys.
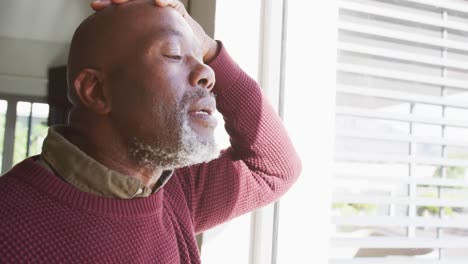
{"x": 261, "y": 163}
{"x": 256, "y": 132}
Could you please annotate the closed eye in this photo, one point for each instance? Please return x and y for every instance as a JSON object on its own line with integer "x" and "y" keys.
{"x": 174, "y": 57}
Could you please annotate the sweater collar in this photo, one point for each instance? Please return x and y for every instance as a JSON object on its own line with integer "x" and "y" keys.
{"x": 42, "y": 180}
{"x": 88, "y": 175}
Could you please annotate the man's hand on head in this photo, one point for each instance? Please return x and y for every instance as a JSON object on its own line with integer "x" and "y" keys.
{"x": 209, "y": 45}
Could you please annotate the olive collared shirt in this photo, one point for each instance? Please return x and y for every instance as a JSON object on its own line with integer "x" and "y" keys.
{"x": 75, "y": 167}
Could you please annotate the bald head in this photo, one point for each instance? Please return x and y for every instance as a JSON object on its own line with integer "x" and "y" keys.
{"x": 105, "y": 40}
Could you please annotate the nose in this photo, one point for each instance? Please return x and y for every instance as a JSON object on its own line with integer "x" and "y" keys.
{"x": 202, "y": 76}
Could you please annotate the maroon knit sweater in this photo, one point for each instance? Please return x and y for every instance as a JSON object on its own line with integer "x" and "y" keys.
{"x": 46, "y": 220}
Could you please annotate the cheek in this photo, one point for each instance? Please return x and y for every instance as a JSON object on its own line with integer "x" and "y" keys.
{"x": 155, "y": 89}
{"x": 167, "y": 88}
{"x": 159, "y": 103}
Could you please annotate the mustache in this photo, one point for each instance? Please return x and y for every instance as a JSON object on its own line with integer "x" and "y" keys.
{"x": 197, "y": 93}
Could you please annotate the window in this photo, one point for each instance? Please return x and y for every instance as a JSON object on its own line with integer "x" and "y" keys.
{"x": 30, "y": 129}
{"x": 259, "y": 53}
{"x": 309, "y": 95}
{"x": 23, "y": 127}
{"x": 400, "y": 181}
{"x": 219, "y": 242}
{"x": 297, "y": 230}
{"x": 3, "y": 110}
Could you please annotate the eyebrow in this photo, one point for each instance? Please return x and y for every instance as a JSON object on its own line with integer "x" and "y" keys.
{"x": 160, "y": 34}
{"x": 163, "y": 32}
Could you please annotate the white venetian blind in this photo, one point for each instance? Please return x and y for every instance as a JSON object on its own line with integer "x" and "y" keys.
{"x": 400, "y": 190}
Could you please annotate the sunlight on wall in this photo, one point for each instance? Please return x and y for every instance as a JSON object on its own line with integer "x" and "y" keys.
{"x": 229, "y": 243}
{"x": 309, "y": 117}
{"x": 304, "y": 229}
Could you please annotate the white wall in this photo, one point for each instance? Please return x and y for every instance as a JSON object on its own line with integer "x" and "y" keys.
{"x": 34, "y": 36}
{"x": 203, "y": 11}
{"x": 24, "y": 64}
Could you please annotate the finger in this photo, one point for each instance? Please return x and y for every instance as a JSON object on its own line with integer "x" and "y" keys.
{"x": 176, "y": 4}
{"x": 171, "y": 3}
{"x": 100, "y": 4}
{"x": 119, "y": 1}
{"x": 162, "y": 3}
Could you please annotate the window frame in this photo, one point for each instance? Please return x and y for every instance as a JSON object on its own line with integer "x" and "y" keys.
{"x": 10, "y": 125}
{"x": 403, "y": 29}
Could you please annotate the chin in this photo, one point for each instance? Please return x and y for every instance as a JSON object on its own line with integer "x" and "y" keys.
{"x": 198, "y": 152}
{"x": 203, "y": 133}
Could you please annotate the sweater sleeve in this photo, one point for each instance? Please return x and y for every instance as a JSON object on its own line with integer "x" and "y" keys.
{"x": 259, "y": 166}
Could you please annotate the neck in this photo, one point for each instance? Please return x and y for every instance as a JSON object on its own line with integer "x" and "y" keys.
{"x": 113, "y": 155}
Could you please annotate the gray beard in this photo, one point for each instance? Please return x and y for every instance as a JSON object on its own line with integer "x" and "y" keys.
{"x": 189, "y": 150}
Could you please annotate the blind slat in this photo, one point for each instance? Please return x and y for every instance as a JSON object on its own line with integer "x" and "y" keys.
{"x": 402, "y": 56}
{"x": 403, "y": 36}
{"x": 401, "y": 96}
{"x": 368, "y": 199}
{"x": 392, "y": 221}
{"x": 389, "y": 12}
{"x": 447, "y": 5}
{"x": 357, "y": 112}
{"x": 386, "y": 158}
{"x": 394, "y": 242}
{"x": 402, "y": 138}
{"x": 395, "y": 260}
{"x": 402, "y": 76}
{"x": 386, "y": 179}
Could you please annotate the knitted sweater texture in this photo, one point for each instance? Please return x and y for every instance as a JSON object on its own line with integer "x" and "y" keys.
{"x": 43, "y": 219}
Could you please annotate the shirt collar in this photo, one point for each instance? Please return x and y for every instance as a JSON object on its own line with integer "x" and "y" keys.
{"x": 88, "y": 175}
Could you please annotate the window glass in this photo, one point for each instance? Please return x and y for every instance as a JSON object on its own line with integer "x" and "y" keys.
{"x": 23, "y": 112}
{"x": 40, "y": 113}
{"x": 30, "y": 129}
{"x": 3, "y": 109}
{"x": 229, "y": 243}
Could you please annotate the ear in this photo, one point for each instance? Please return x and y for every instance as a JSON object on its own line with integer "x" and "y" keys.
{"x": 89, "y": 87}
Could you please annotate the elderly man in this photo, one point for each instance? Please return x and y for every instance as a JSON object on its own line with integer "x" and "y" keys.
{"x": 136, "y": 173}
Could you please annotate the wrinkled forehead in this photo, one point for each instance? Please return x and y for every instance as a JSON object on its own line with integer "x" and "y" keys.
{"x": 144, "y": 18}
{"x": 136, "y": 17}
{"x": 150, "y": 23}
{"x": 162, "y": 32}
{"x": 177, "y": 32}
